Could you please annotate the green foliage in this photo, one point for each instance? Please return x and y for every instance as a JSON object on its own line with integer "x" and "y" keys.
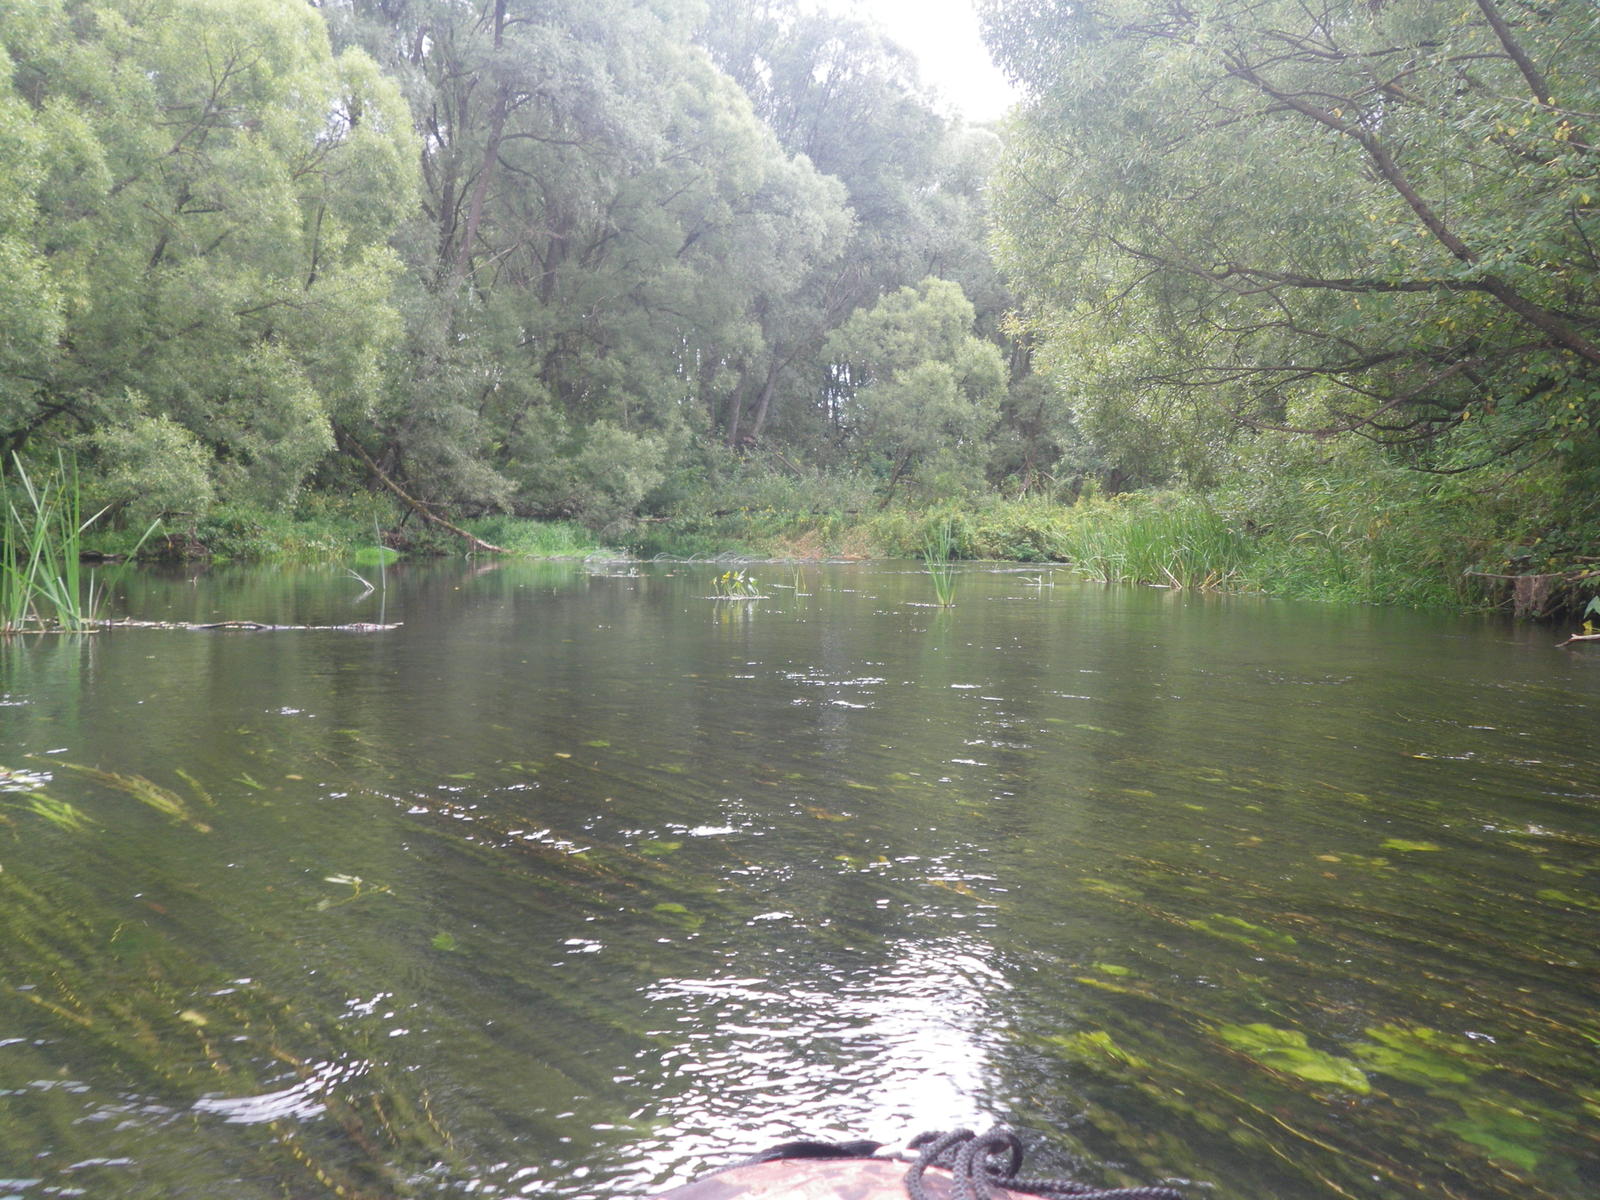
{"x": 936, "y": 553}
{"x": 714, "y": 277}
{"x": 735, "y": 585}
{"x": 206, "y": 198}
{"x": 923, "y": 390}
{"x": 375, "y": 556}
{"x": 597, "y": 475}
{"x": 245, "y": 531}
{"x": 1348, "y": 523}
{"x": 38, "y": 552}
{"x": 1167, "y": 540}
{"x": 536, "y": 539}
{"x": 842, "y": 98}
{"x": 761, "y": 504}
{"x": 32, "y": 304}
{"x": 148, "y": 466}
{"x": 1340, "y": 217}
{"x": 1027, "y": 530}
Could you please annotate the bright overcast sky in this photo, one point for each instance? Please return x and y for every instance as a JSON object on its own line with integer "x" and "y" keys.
{"x": 952, "y": 58}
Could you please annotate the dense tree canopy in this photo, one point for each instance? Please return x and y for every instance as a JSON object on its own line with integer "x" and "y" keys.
{"x": 606, "y": 259}
{"x": 195, "y": 221}
{"x": 915, "y": 389}
{"x": 1377, "y": 216}
{"x": 639, "y": 224}
{"x": 499, "y": 254}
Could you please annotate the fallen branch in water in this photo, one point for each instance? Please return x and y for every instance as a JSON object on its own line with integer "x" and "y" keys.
{"x": 249, "y": 626}
{"x": 1579, "y": 637}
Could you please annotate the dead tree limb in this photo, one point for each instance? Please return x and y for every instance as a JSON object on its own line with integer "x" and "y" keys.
{"x": 415, "y": 505}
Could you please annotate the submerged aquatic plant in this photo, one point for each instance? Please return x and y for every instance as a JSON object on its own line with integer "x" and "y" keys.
{"x": 163, "y": 800}
{"x": 170, "y": 1020}
{"x": 27, "y": 787}
{"x": 936, "y": 553}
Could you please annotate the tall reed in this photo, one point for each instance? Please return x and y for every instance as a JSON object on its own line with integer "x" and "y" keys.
{"x": 936, "y": 552}
{"x": 1181, "y": 545}
{"x": 41, "y": 542}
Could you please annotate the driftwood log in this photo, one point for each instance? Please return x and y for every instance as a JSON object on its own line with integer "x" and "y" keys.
{"x": 246, "y": 626}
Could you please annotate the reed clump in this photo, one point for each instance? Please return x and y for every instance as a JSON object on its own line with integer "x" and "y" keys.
{"x": 42, "y": 584}
{"x": 41, "y": 533}
{"x": 1167, "y": 542}
{"x": 937, "y": 551}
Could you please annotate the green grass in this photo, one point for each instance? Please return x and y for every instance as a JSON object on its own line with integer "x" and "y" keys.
{"x": 324, "y": 528}
{"x": 536, "y": 539}
{"x": 1353, "y": 535}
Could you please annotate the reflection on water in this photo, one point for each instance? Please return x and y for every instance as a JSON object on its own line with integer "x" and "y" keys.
{"x": 580, "y": 882}
{"x": 830, "y": 1057}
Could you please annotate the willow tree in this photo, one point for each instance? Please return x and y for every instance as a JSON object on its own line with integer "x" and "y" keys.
{"x": 202, "y": 199}
{"x": 915, "y": 390}
{"x": 607, "y": 233}
{"x": 1371, "y": 217}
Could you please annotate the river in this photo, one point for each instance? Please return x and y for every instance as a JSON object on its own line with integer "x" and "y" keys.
{"x": 581, "y": 881}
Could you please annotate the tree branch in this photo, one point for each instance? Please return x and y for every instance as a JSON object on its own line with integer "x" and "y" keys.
{"x": 417, "y": 506}
{"x": 1536, "y": 315}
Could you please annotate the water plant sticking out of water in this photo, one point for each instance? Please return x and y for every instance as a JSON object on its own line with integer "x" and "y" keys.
{"x": 41, "y": 534}
{"x": 936, "y": 553}
{"x": 735, "y": 585}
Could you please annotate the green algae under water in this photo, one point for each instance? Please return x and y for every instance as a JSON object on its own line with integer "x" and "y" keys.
{"x": 581, "y": 881}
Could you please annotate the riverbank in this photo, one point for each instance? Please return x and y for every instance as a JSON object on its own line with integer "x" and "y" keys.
{"x": 1157, "y": 539}
{"x": 1339, "y": 546}
{"x": 323, "y": 528}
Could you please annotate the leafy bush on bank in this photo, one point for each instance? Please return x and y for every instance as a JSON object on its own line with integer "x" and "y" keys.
{"x": 324, "y": 526}
{"x": 1343, "y": 524}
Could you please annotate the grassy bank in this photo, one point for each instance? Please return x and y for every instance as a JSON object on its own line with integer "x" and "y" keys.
{"x": 1294, "y": 517}
{"x": 1331, "y": 543}
{"x": 1345, "y": 530}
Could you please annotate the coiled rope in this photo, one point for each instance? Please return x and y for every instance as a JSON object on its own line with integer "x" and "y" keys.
{"x": 976, "y": 1167}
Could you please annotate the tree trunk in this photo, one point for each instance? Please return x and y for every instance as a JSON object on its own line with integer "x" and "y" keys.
{"x": 491, "y": 155}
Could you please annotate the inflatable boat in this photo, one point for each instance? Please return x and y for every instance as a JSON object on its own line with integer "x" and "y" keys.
{"x": 940, "y": 1166}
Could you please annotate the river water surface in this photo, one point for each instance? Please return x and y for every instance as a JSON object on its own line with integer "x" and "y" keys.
{"x": 581, "y": 882}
